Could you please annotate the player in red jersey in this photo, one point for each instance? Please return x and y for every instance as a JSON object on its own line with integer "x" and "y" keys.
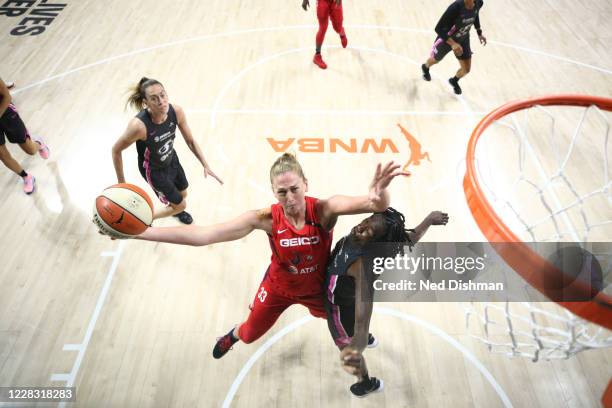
{"x": 299, "y": 229}
{"x": 327, "y": 10}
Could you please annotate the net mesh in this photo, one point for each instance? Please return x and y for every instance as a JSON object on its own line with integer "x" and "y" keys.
{"x": 522, "y": 329}
{"x": 545, "y": 172}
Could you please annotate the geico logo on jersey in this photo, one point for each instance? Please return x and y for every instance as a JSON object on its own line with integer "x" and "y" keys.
{"x": 292, "y": 242}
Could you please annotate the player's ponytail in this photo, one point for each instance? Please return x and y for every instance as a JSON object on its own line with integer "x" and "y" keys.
{"x": 286, "y": 162}
{"x": 137, "y": 93}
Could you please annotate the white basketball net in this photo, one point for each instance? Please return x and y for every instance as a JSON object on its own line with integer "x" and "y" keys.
{"x": 524, "y": 330}
{"x": 561, "y": 154}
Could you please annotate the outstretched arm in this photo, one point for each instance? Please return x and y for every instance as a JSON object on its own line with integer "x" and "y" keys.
{"x": 434, "y": 218}
{"x": 196, "y": 235}
{"x": 191, "y": 142}
{"x": 377, "y": 199}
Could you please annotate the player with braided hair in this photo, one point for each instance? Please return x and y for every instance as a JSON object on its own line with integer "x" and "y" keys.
{"x": 350, "y": 287}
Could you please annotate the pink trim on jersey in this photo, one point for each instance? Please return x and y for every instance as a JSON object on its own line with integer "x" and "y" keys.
{"x": 331, "y": 288}
{"x": 147, "y": 167}
{"x": 434, "y": 49}
{"x": 344, "y": 339}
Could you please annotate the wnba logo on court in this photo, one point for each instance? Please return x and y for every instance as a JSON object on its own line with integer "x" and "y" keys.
{"x": 352, "y": 145}
{"x": 416, "y": 150}
{"x": 334, "y": 145}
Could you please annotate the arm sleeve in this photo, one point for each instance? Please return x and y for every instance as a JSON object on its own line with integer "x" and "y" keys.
{"x": 447, "y": 20}
{"x": 479, "y": 4}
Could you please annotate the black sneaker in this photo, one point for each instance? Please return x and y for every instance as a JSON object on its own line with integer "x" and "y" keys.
{"x": 425, "y": 70}
{"x": 366, "y": 387}
{"x": 224, "y": 344}
{"x": 372, "y": 342}
{"x": 184, "y": 217}
{"x": 455, "y": 84}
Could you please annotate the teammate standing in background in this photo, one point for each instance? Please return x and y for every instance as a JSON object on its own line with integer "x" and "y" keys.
{"x": 154, "y": 129}
{"x": 327, "y": 10}
{"x": 453, "y": 31}
{"x": 13, "y": 129}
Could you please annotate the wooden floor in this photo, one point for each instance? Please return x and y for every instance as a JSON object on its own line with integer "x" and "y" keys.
{"x": 132, "y": 324}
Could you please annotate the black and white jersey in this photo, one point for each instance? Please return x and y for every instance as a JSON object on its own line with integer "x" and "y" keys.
{"x": 158, "y": 149}
{"x": 457, "y": 20}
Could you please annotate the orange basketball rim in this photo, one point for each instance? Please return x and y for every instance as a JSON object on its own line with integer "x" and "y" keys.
{"x": 531, "y": 266}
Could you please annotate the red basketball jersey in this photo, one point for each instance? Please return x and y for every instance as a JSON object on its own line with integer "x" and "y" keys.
{"x": 299, "y": 257}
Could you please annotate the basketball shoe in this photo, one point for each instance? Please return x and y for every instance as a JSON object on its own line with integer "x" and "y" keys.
{"x": 455, "y": 84}
{"x": 29, "y": 184}
{"x": 372, "y": 342}
{"x": 43, "y": 149}
{"x": 343, "y": 40}
{"x": 426, "y": 74}
{"x": 224, "y": 344}
{"x": 318, "y": 60}
{"x": 368, "y": 386}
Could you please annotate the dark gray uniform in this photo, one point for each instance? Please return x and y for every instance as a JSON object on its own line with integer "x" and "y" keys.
{"x": 456, "y": 23}
{"x": 12, "y": 127}
{"x": 157, "y": 161}
{"x": 340, "y": 291}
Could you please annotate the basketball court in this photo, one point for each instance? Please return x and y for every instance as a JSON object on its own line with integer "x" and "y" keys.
{"x": 133, "y": 323}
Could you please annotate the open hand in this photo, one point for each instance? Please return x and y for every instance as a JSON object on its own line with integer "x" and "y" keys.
{"x": 305, "y": 4}
{"x": 383, "y": 177}
{"x": 483, "y": 39}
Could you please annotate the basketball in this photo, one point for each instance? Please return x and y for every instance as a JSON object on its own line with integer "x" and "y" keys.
{"x": 123, "y": 211}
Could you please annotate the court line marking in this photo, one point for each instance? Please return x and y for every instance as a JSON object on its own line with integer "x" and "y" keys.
{"x": 382, "y": 310}
{"x": 331, "y": 112}
{"x": 258, "y": 353}
{"x": 286, "y": 28}
{"x": 70, "y": 378}
{"x": 239, "y": 76}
